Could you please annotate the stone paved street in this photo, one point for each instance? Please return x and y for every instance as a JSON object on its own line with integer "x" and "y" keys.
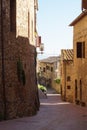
{"x": 53, "y": 115}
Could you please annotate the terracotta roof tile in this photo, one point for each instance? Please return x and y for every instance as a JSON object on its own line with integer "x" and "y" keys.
{"x": 67, "y": 54}
{"x": 50, "y": 59}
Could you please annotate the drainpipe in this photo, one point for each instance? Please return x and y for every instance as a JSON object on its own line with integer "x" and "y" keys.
{"x": 3, "y": 64}
{"x": 65, "y": 80}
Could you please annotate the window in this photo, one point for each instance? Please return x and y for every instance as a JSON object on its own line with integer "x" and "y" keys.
{"x": 51, "y": 69}
{"x": 13, "y": 15}
{"x": 68, "y": 87}
{"x": 44, "y": 69}
{"x": 68, "y": 78}
{"x": 80, "y": 49}
{"x": 47, "y": 67}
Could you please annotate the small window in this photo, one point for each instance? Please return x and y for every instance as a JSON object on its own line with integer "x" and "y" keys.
{"x": 51, "y": 69}
{"x": 68, "y": 87}
{"x": 68, "y": 78}
{"x": 44, "y": 69}
{"x": 47, "y": 67}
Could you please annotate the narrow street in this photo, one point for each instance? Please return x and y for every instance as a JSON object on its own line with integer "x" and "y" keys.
{"x": 53, "y": 115}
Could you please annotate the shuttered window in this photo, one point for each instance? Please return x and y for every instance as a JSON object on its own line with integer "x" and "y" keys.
{"x": 80, "y": 49}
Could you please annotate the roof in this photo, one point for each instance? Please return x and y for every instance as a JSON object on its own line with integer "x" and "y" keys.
{"x": 51, "y": 59}
{"x": 67, "y": 54}
{"x": 84, "y": 13}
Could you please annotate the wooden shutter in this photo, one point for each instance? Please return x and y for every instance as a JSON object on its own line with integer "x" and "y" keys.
{"x": 79, "y": 49}
{"x": 83, "y": 49}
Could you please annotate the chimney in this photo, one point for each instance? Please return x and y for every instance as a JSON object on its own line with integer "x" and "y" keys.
{"x": 84, "y": 5}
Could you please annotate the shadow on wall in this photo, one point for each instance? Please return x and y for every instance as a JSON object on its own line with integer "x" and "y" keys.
{"x": 21, "y": 91}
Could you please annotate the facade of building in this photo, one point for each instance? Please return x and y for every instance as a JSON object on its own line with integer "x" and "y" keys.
{"x": 18, "y": 83}
{"x": 77, "y": 70}
{"x": 66, "y": 75}
{"x": 80, "y": 58}
{"x": 49, "y": 70}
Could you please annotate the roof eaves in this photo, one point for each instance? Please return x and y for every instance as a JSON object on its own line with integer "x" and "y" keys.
{"x": 78, "y": 18}
{"x": 67, "y": 55}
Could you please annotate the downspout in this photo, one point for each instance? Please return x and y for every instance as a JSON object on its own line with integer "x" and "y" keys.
{"x": 3, "y": 64}
{"x": 65, "y": 80}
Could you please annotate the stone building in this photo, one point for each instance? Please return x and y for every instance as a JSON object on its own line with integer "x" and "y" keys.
{"x": 18, "y": 83}
{"x": 77, "y": 70}
{"x": 80, "y": 58}
{"x": 66, "y": 75}
{"x": 49, "y": 70}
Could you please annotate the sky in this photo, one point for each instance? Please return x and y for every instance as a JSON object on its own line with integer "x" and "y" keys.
{"x": 53, "y": 19}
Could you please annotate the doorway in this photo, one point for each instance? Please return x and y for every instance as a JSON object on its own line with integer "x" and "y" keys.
{"x": 76, "y": 90}
{"x": 80, "y": 90}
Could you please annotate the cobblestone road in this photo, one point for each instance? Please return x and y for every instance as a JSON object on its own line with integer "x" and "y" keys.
{"x": 53, "y": 115}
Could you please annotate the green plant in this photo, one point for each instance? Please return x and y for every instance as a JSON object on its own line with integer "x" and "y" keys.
{"x": 20, "y": 72}
{"x": 41, "y": 87}
{"x": 57, "y": 81}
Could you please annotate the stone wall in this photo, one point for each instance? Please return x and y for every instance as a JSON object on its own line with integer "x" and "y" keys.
{"x": 80, "y": 64}
{"x": 21, "y": 92}
{"x": 66, "y": 86}
{"x": 69, "y": 83}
